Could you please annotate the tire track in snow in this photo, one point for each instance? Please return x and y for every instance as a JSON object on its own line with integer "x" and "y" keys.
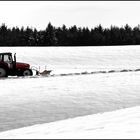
{"x": 74, "y": 74}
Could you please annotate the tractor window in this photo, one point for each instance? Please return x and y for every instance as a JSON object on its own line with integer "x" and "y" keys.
{"x": 7, "y": 58}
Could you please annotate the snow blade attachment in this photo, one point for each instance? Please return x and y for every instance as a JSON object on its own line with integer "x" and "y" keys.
{"x": 44, "y": 73}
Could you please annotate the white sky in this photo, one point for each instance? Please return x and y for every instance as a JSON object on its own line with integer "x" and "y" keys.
{"x": 81, "y": 13}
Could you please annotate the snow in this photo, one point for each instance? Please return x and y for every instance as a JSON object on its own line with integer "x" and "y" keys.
{"x": 80, "y": 99}
{"x": 71, "y": 59}
{"x": 122, "y": 123}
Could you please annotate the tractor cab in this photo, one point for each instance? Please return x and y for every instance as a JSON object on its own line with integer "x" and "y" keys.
{"x": 5, "y": 56}
{"x": 7, "y": 59}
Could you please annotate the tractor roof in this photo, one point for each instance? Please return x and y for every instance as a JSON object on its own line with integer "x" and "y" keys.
{"x": 5, "y": 53}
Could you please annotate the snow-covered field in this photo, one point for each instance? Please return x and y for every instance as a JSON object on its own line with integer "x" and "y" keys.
{"x": 118, "y": 124}
{"x": 31, "y": 101}
{"x": 72, "y": 59}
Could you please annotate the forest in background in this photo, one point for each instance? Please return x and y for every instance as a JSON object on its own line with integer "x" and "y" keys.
{"x": 72, "y": 36}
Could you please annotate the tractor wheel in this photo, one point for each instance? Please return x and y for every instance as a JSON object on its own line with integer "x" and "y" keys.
{"x": 27, "y": 72}
{"x": 3, "y": 72}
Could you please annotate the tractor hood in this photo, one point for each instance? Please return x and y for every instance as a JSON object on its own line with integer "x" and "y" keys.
{"x": 20, "y": 65}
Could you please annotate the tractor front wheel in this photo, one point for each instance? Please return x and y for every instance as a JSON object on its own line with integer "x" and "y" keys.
{"x": 3, "y": 72}
{"x": 27, "y": 72}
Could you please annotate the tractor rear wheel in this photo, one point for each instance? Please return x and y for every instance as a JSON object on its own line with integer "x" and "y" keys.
{"x": 27, "y": 72}
{"x": 3, "y": 72}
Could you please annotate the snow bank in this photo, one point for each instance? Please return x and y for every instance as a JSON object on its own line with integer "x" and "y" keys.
{"x": 124, "y": 123}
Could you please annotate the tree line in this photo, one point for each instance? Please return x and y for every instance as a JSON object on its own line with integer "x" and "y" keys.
{"x": 72, "y": 36}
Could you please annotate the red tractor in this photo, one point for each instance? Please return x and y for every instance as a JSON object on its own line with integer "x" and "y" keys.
{"x": 9, "y": 66}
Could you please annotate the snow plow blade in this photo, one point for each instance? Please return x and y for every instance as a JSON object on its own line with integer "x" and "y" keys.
{"x": 45, "y": 72}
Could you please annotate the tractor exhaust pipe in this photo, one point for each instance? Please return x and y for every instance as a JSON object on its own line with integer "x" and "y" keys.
{"x": 14, "y": 61}
{"x": 15, "y": 57}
